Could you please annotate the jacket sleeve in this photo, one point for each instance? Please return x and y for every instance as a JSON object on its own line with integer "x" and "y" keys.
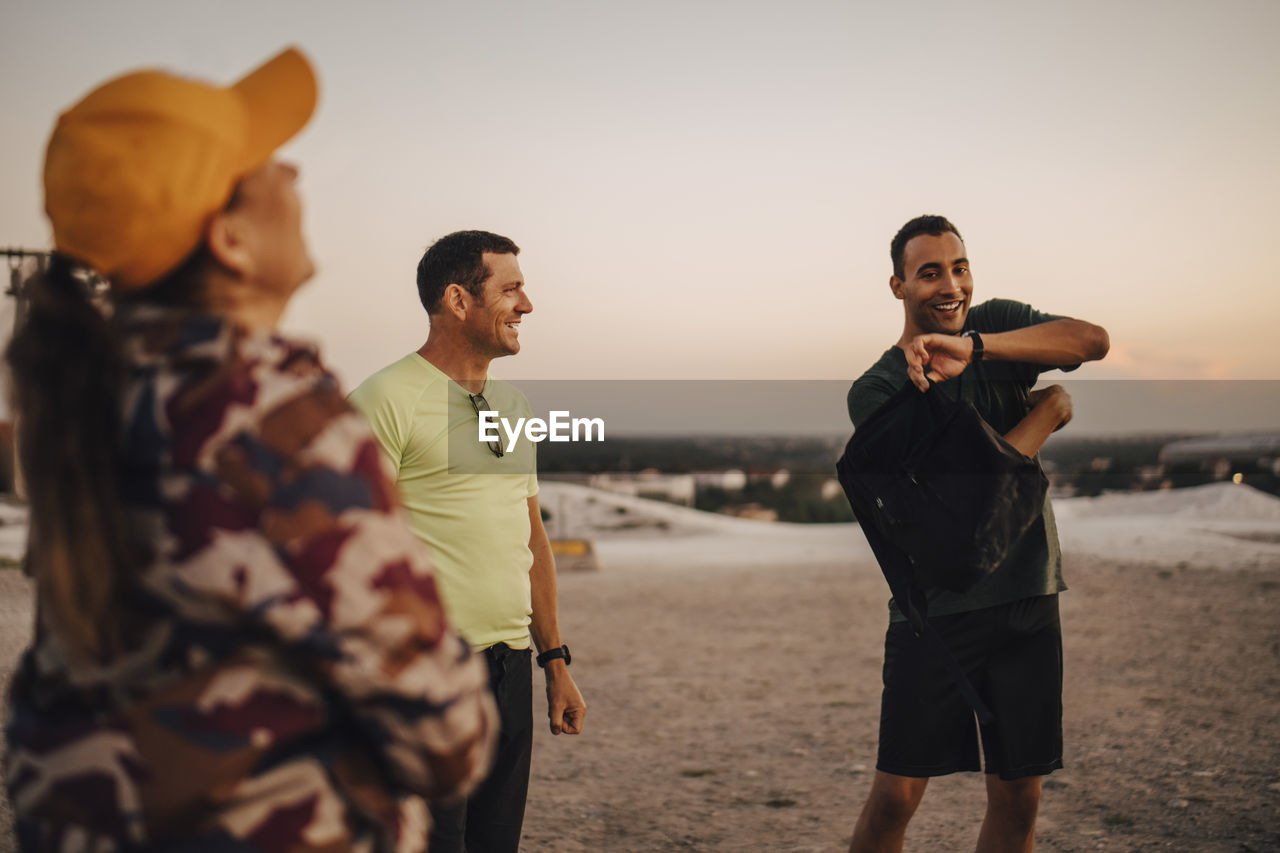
{"x": 338, "y": 577}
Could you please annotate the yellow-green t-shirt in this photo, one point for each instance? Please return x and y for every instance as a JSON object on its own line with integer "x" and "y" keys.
{"x": 468, "y": 505}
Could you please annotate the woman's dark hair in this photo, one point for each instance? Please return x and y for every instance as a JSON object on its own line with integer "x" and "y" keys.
{"x": 68, "y": 374}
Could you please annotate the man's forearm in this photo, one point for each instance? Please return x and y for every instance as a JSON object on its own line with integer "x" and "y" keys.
{"x": 1050, "y": 410}
{"x": 1058, "y": 343}
{"x": 566, "y": 710}
{"x": 545, "y": 622}
{"x": 1033, "y": 431}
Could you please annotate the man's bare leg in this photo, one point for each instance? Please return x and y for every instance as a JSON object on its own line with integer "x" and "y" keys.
{"x": 1010, "y": 823}
{"x": 889, "y": 807}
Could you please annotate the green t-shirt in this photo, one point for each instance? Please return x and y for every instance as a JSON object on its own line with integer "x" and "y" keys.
{"x": 998, "y": 391}
{"x": 469, "y": 506}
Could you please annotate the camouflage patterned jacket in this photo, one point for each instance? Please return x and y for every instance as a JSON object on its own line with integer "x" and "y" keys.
{"x": 293, "y": 685}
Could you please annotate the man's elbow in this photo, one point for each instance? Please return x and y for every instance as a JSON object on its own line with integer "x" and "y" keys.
{"x": 1097, "y": 342}
{"x": 1088, "y": 342}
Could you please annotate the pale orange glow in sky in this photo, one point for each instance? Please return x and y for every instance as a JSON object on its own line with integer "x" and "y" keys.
{"x": 708, "y": 190}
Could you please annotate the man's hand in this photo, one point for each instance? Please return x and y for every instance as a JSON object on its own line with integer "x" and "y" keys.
{"x": 566, "y": 709}
{"x": 1057, "y": 402}
{"x": 936, "y": 358}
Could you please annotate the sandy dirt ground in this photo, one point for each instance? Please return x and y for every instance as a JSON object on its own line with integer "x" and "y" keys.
{"x": 733, "y": 706}
{"x": 737, "y": 710}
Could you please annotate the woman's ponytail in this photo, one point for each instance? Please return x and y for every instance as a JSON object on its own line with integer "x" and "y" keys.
{"x": 67, "y": 374}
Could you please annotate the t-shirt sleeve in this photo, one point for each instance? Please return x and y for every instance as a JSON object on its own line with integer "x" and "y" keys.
{"x": 526, "y": 411}
{"x": 533, "y": 482}
{"x": 1003, "y": 315}
{"x": 389, "y": 427}
{"x": 868, "y": 393}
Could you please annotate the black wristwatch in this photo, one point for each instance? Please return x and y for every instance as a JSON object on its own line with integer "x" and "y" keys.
{"x": 554, "y": 654}
{"x": 978, "y": 349}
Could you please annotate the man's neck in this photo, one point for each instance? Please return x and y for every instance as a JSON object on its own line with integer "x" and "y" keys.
{"x": 455, "y": 359}
{"x": 908, "y": 334}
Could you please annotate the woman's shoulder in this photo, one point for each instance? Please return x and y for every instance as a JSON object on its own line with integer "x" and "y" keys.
{"x": 207, "y": 381}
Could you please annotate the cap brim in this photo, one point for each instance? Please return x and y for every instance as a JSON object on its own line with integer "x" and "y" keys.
{"x": 279, "y": 97}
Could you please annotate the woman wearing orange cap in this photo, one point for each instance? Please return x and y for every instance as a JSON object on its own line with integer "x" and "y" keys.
{"x": 239, "y": 645}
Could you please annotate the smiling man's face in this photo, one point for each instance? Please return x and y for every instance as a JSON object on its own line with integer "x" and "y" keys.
{"x": 494, "y": 320}
{"x": 937, "y": 286}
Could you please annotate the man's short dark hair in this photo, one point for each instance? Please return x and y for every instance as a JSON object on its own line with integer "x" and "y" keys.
{"x": 934, "y": 226}
{"x": 456, "y": 259}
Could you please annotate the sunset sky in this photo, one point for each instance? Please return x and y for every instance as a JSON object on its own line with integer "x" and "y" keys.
{"x": 706, "y": 190}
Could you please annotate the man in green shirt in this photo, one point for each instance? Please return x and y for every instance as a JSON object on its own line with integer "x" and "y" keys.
{"x": 475, "y": 504}
{"x": 1005, "y": 631}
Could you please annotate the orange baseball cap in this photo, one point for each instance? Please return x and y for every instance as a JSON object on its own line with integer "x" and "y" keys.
{"x": 134, "y": 171}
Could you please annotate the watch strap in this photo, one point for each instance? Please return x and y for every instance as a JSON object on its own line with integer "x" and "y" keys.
{"x": 978, "y": 349}
{"x": 554, "y": 654}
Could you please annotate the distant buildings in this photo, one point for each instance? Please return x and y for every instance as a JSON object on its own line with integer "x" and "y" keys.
{"x": 756, "y": 492}
{"x": 674, "y": 488}
{"x": 650, "y": 483}
{"x": 731, "y": 480}
{"x": 1144, "y": 464}
{"x": 1246, "y": 458}
{"x": 682, "y": 489}
{"x": 1234, "y": 452}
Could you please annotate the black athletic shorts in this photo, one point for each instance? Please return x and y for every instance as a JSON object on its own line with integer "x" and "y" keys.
{"x": 1013, "y": 655}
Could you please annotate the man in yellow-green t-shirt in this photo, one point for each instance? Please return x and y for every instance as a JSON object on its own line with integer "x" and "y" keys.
{"x": 475, "y": 504}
